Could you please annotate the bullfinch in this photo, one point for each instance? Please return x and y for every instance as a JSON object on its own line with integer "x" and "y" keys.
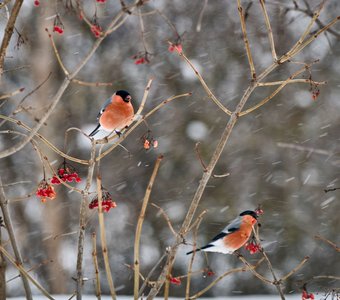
{"x": 116, "y": 114}
{"x": 232, "y": 237}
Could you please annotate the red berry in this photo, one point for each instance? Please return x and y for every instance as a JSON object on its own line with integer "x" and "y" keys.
{"x": 179, "y": 48}
{"x": 146, "y": 145}
{"x": 36, "y": 3}
{"x": 174, "y": 47}
{"x": 175, "y": 280}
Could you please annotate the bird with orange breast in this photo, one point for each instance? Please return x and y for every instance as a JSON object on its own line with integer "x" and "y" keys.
{"x": 116, "y": 114}
{"x": 232, "y": 237}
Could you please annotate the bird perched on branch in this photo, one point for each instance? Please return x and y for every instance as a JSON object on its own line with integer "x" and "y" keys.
{"x": 116, "y": 114}
{"x": 232, "y": 237}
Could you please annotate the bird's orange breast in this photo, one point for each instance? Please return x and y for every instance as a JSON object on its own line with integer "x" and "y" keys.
{"x": 238, "y": 238}
{"x": 117, "y": 116}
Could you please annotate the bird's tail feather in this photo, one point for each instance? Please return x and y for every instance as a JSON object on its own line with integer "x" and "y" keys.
{"x": 95, "y": 130}
{"x": 199, "y": 249}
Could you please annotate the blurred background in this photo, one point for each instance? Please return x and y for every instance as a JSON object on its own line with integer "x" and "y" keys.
{"x": 289, "y": 182}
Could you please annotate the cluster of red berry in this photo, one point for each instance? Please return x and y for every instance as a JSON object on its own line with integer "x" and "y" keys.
{"x": 315, "y": 91}
{"x": 306, "y": 296}
{"x": 96, "y": 30}
{"x": 208, "y": 273}
{"x": 177, "y": 47}
{"x": 141, "y": 58}
{"x": 148, "y": 141}
{"x": 67, "y": 174}
{"x": 45, "y": 190}
{"x": 58, "y": 25}
{"x": 175, "y": 280}
{"x": 259, "y": 211}
{"x": 107, "y": 202}
{"x": 253, "y": 247}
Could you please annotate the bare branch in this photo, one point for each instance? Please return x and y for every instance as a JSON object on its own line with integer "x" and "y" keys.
{"x": 166, "y": 217}
{"x": 95, "y": 263}
{"x": 11, "y": 94}
{"x": 304, "y": 148}
{"x": 205, "y": 86}
{"x": 245, "y": 40}
{"x": 321, "y": 238}
{"x": 269, "y": 29}
{"x": 25, "y": 274}
{"x": 298, "y": 267}
{"x": 11, "y": 234}
{"x": 140, "y": 224}
{"x": 227, "y": 273}
{"x": 8, "y": 32}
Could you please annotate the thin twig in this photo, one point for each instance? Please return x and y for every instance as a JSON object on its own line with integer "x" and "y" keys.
{"x": 103, "y": 238}
{"x": 86, "y": 83}
{"x": 246, "y": 41}
{"x": 269, "y": 30}
{"x": 142, "y": 31}
{"x": 95, "y": 263}
{"x": 82, "y": 222}
{"x": 276, "y": 282}
{"x": 251, "y": 269}
{"x": 43, "y": 139}
{"x": 198, "y": 219}
{"x": 331, "y": 189}
{"x": 4, "y": 3}
{"x": 304, "y": 148}
{"x": 136, "y": 261}
{"x": 11, "y": 94}
{"x": 145, "y": 96}
{"x": 203, "y": 83}
{"x": 56, "y": 52}
{"x": 306, "y": 32}
{"x": 154, "y": 268}
{"x": 321, "y": 238}
{"x": 166, "y": 217}
{"x": 195, "y": 232}
{"x": 219, "y": 278}
{"x": 11, "y": 234}
{"x": 25, "y": 274}
{"x": 8, "y": 32}
{"x": 171, "y": 25}
{"x": 315, "y": 35}
{"x": 298, "y": 80}
{"x": 35, "y": 89}
{"x": 29, "y": 270}
{"x": 273, "y": 94}
{"x": 298, "y": 267}
{"x": 326, "y": 277}
{"x": 200, "y": 18}
{"x": 199, "y": 156}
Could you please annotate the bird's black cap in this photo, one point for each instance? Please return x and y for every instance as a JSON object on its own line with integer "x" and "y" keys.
{"x": 250, "y": 213}
{"x": 124, "y": 94}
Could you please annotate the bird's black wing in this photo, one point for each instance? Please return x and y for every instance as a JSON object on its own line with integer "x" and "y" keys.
{"x": 106, "y": 103}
